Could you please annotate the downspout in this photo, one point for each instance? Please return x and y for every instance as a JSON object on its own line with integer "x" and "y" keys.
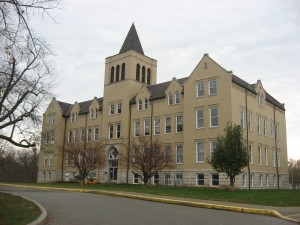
{"x": 151, "y": 122}
{"x": 129, "y": 141}
{"x": 63, "y": 152}
{"x": 276, "y": 152}
{"x": 247, "y": 140}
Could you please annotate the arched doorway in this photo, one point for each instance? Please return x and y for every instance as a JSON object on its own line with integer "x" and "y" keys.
{"x": 113, "y": 164}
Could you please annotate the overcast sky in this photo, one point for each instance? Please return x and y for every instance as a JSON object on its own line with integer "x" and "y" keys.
{"x": 255, "y": 39}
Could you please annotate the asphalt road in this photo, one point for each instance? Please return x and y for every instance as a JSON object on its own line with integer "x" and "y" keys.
{"x": 73, "y": 208}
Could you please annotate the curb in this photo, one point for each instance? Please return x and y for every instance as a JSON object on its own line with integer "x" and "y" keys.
{"x": 268, "y": 212}
{"x": 42, "y": 218}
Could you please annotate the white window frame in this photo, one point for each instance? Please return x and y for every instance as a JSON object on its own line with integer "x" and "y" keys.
{"x": 111, "y": 109}
{"x": 168, "y": 125}
{"x": 200, "y": 153}
{"x": 170, "y": 99}
{"x": 273, "y": 157}
{"x": 179, "y": 124}
{"x": 147, "y": 127}
{"x": 96, "y": 134}
{"x": 110, "y": 131}
{"x": 89, "y": 134}
{"x": 252, "y": 180}
{"x": 258, "y": 125}
{"x": 267, "y": 180}
{"x": 119, "y": 107}
{"x": 242, "y": 118}
{"x": 146, "y": 103}
{"x": 137, "y": 128}
{"x": 266, "y": 156}
{"x": 265, "y": 127}
{"x": 212, "y": 87}
{"x": 212, "y": 180}
{"x": 215, "y": 117}
{"x": 250, "y": 121}
{"x": 212, "y": 145}
{"x": 250, "y": 154}
{"x": 156, "y": 126}
{"x": 177, "y": 97}
{"x": 199, "y": 120}
{"x": 51, "y": 137}
{"x": 200, "y": 89}
{"x": 244, "y": 180}
{"x": 261, "y": 180}
{"x": 82, "y": 135}
{"x": 75, "y": 135}
{"x": 140, "y": 105}
{"x": 179, "y": 154}
{"x": 259, "y": 155}
{"x": 118, "y": 130}
{"x": 198, "y": 179}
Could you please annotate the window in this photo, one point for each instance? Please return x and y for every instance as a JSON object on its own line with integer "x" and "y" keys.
{"x": 167, "y": 153}
{"x": 178, "y": 180}
{"x": 46, "y": 138}
{"x": 96, "y": 134}
{"x": 93, "y": 113}
{"x": 258, "y": 125}
{"x": 136, "y": 155}
{"x": 50, "y": 156}
{"x": 242, "y": 118}
{"x": 46, "y": 159}
{"x": 49, "y": 175}
{"x": 259, "y": 156}
{"x": 137, "y": 77}
{"x": 179, "y": 124}
{"x": 156, "y": 126}
{"x": 266, "y": 156}
{"x": 272, "y": 130}
{"x": 52, "y": 137}
{"x": 200, "y": 152}
{"x": 200, "y": 179}
{"x": 118, "y": 130}
{"x": 215, "y": 179}
{"x": 200, "y": 118}
{"x": 212, "y": 87}
{"x": 261, "y": 180}
{"x": 265, "y": 127}
{"x": 170, "y": 99}
{"x": 112, "y": 74}
{"x": 148, "y": 76}
{"x": 119, "y": 107}
{"x": 244, "y": 180}
{"x": 250, "y": 121}
{"x": 251, "y": 180}
{"x": 213, "y": 117}
{"x": 156, "y": 178}
{"x": 74, "y": 117}
{"x": 140, "y": 105}
{"x": 111, "y": 131}
{"x": 213, "y": 145}
{"x": 258, "y": 99}
{"x": 44, "y": 173}
{"x": 118, "y": 73}
{"x": 111, "y": 109}
{"x": 51, "y": 119}
{"x": 89, "y": 134}
{"x": 273, "y": 158}
{"x": 123, "y": 72}
{"x": 168, "y": 125}
{"x": 143, "y": 74}
{"x": 179, "y": 154}
{"x": 82, "y": 135}
{"x": 274, "y": 180}
{"x": 277, "y": 131}
{"x": 76, "y": 135}
{"x": 137, "y": 128}
{"x": 262, "y": 100}
{"x": 70, "y": 136}
{"x": 267, "y": 179}
{"x": 145, "y": 103}
{"x": 167, "y": 178}
{"x": 135, "y": 178}
{"x": 200, "y": 89}
{"x": 250, "y": 154}
{"x": 177, "y": 97}
{"x": 146, "y": 127}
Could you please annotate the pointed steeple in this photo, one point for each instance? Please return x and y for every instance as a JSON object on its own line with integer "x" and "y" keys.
{"x": 132, "y": 42}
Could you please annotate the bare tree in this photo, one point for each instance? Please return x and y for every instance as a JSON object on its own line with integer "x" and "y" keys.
{"x": 85, "y": 158}
{"x": 147, "y": 158}
{"x": 294, "y": 172}
{"x": 26, "y": 73}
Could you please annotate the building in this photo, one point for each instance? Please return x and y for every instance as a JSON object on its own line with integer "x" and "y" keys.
{"x": 186, "y": 114}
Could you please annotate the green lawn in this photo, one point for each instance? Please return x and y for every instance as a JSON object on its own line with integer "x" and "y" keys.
{"x": 270, "y": 197}
{"x": 15, "y": 210}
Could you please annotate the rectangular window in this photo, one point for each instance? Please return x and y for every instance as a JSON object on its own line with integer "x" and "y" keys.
{"x": 179, "y": 154}
{"x": 277, "y": 131}
{"x": 274, "y": 180}
{"x": 51, "y": 119}
{"x": 273, "y": 158}
{"x": 96, "y": 134}
{"x": 50, "y": 156}
{"x": 119, "y": 105}
{"x": 118, "y": 130}
{"x": 156, "y": 126}
{"x": 46, "y": 138}
{"x": 52, "y": 137}
{"x": 111, "y": 109}
{"x": 167, "y": 153}
{"x": 212, "y": 147}
{"x": 179, "y": 124}
{"x": 267, "y": 179}
{"x": 214, "y": 117}
{"x": 199, "y": 118}
{"x": 272, "y": 130}
{"x": 250, "y": 154}
{"x": 92, "y": 115}
{"x": 252, "y": 180}
{"x": 259, "y": 156}
{"x": 82, "y": 135}
{"x": 266, "y": 156}
{"x": 167, "y": 178}
{"x": 250, "y": 121}
{"x": 89, "y": 134}
{"x": 156, "y": 178}
{"x": 168, "y": 125}
{"x": 70, "y": 134}
{"x": 215, "y": 179}
{"x": 170, "y": 99}
{"x": 200, "y": 179}
{"x": 146, "y": 127}
{"x": 242, "y": 118}
{"x": 265, "y": 127}
{"x": 212, "y": 87}
{"x": 178, "y": 180}
{"x": 200, "y": 89}
{"x": 135, "y": 178}
{"x": 49, "y": 175}
{"x": 111, "y": 131}
{"x": 145, "y": 104}
{"x": 46, "y": 159}
{"x": 76, "y": 135}
{"x": 258, "y": 125}
{"x": 140, "y": 105}
{"x": 261, "y": 180}
{"x": 244, "y": 180}
{"x": 137, "y": 128}
{"x": 199, "y": 152}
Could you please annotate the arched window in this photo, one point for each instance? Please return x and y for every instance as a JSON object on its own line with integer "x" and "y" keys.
{"x": 148, "y": 76}
{"x": 118, "y": 73}
{"x": 112, "y": 73}
{"x": 170, "y": 99}
{"x": 123, "y": 72}
{"x": 143, "y": 74}
{"x": 177, "y": 97}
{"x": 138, "y": 72}
{"x": 113, "y": 153}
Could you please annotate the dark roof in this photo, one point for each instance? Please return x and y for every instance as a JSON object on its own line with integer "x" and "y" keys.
{"x": 132, "y": 42}
{"x": 273, "y": 101}
{"x": 65, "y": 107}
{"x": 243, "y": 84}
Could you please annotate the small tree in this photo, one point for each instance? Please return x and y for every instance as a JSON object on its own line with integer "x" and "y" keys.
{"x": 230, "y": 154}
{"x": 294, "y": 172}
{"x": 146, "y": 158}
{"x": 85, "y": 159}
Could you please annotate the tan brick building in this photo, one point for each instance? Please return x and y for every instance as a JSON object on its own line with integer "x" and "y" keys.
{"x": 185, "y": 114}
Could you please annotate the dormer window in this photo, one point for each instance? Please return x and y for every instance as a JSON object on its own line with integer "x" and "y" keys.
{"x": 140, "y": 105}
{"x": 145, "y": 103}
{"x": 177, "y": 97}
{"x": 74, "y": 117}
{"x": 93, "y": 113}
{"x": 170, "y": 99}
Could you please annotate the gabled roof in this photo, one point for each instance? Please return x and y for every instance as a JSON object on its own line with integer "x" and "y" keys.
{"x": 132, "y": 42}
{"x": 243, "y": 84}
{"x": 65, "y": 107}
{"x": 273, "y": 101}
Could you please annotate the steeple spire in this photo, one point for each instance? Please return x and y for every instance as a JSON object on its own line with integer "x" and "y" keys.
{"x": 132, "y": 42}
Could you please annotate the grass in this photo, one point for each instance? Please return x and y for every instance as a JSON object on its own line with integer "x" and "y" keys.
{"x": 269, "y": 197}
{"x": 15, "y": 210}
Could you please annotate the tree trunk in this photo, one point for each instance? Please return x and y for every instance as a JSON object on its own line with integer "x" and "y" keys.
{"x": 231, "y": 181}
